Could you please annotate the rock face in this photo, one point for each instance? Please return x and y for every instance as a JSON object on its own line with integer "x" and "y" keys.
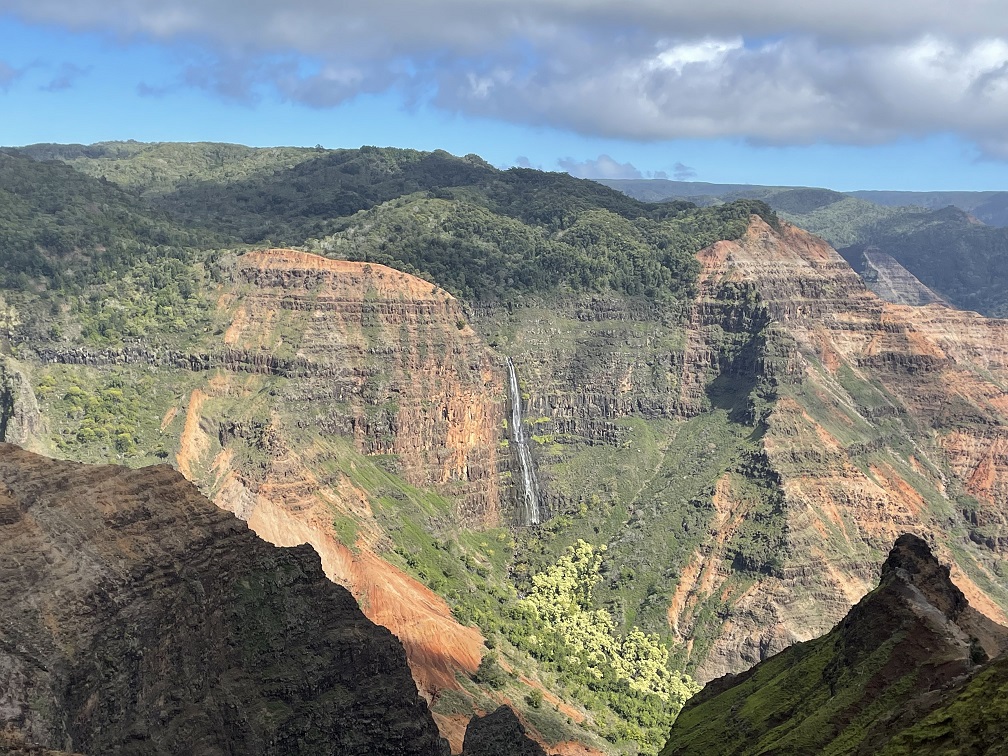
{"x": 136, "y": 617}
{"x": 20, "y": 420}
{"x": 389, "y": 362}
{"x": 884, "y": 418}
{"x": 390, "y": 368}
{"x": 499, "y": 734}
{"x": 894, "y": 283}
{"x": 911, "y": 647}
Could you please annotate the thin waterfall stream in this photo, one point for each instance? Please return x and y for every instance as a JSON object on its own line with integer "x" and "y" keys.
{"x": 530, "y": 485}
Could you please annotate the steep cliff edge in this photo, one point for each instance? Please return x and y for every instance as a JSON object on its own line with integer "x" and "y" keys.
{"x": 136, "y": 617}
{"x": 911, "y": 646}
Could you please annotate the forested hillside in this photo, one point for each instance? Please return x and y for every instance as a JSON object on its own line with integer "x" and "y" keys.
{"x": 485, "y": 233}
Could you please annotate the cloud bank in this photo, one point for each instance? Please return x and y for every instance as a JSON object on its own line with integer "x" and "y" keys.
{"x": 775, "y": 72}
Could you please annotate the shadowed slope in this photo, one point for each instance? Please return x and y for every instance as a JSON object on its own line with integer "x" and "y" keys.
{"x": 138, "y": 618}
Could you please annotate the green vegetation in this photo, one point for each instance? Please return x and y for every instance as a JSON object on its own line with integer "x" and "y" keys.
{"x": 970, "y": 720}
{"x": 120, "y": 287}
{"x": 106, "y": 416}
{"x": 67, "y": 230}
{"x": 158, "y": 168}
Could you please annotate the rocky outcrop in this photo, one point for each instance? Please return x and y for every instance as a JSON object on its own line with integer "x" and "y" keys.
{"x": 136, "y": 617}
{"x": 20, "y": 420}
{"x": 499, "y": 734}
{"x": 908, "y": 648}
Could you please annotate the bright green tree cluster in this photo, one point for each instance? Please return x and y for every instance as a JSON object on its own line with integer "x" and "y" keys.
{"x": 559, "y": 606}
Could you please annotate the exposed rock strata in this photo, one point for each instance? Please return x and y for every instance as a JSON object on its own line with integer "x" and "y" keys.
{"x": 892, "y": 282}
{"x": 136, "y": 617}
{"x": 393, "y": 366}
{"x": 390, "y": 367}
{"x": 875, "y": 419}
{"x": 884, "y": 413}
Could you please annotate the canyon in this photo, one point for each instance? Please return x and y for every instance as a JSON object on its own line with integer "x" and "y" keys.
{"x": 740, "y": 456}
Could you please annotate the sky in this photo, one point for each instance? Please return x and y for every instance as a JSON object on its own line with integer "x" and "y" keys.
{"x": 859, "y": 94}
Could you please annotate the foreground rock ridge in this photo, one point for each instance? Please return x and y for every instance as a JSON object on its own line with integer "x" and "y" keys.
{"x": 499, "y": 733}
{"x": 882, "y": 681}
{"x": 137, "y": 618}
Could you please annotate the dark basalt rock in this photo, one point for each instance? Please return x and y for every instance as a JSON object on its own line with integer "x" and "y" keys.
{"x": 499, "y": 734}
{"x": 911, "y": 560}
{"x": 137, "y": 618}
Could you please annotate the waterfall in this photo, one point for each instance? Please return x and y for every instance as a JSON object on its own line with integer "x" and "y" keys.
{"x": 530, "y": 486}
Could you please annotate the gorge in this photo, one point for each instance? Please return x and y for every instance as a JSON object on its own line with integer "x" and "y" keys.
{"x": 729, "y": 427}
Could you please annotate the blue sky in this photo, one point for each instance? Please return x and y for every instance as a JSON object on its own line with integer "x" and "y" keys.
{"x": 788, "y": 95}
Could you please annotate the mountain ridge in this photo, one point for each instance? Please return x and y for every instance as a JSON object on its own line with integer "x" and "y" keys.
{"x": 906, "y": 649}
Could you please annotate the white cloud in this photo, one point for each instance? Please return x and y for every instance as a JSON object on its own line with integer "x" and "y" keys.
{"x": 778, "y": 71}
{"x": 706, "y": 52}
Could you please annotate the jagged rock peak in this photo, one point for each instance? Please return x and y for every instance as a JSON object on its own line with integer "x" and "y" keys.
{"x": 911, "y": 560}
{"x": 499, "y": 734}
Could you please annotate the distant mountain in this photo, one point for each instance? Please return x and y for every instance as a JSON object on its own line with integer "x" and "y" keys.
{"x": 959, "y": 251}
{"x": 906, "y": 671}
{"x": 989, "y": 207}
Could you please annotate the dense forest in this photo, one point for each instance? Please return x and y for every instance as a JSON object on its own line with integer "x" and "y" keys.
{"x": 485, "y": 234}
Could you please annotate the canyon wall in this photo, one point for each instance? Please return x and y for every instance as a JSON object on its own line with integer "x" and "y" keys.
{"x": 746, "y": 455}
{"x": 891, "y": 419}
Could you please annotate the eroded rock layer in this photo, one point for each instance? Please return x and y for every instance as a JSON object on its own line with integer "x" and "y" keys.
{"x": 136, "y": 617}
{"x": 393, "y": 365}
{"x": 886, "y": 418}
{"x": 894, "y": 283}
